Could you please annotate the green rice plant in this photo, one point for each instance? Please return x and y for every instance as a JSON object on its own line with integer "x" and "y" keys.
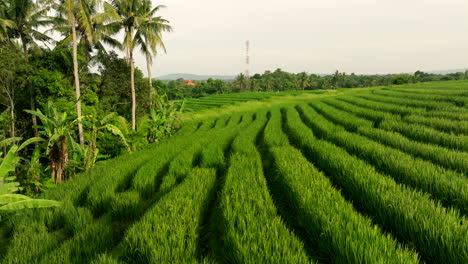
{"x": 251, "y": 231}
{"x": 212, "y": 155}
{"x": 348, "y": 120}
{"x": 370, "y": 114}
{"x": 84, "y": 246}
{"x": 428, "y": 105}
{"x": 103, "y": 192}
{"x": 458, "y": 116}
{"x": 451, "y": 159}
{"x": 457, "y": 100}
{"x": 168, "y": 232}
{"x": 380, "y": 106}
{"x": 340, "y": 234}
{"x": 426, "y": 134}
{"x": 67, "y": 220}
{"x": 28, "y": 243}
{"x": 443, "y": 92}
{"x": 182, "y": 164}
{"x": 75, "y": 219}
{"x": 323, "y": 126}
{"x": 126, "y": 206}
{"x": 105, "y": 259}
{"x": 447, "y": 186}
{"x": 444, "y": 125}
{"x": 149, "y": 175}
{"x": 410, "y": 215}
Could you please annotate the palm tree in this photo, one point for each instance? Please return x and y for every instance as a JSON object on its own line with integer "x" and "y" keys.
{"x": 78, "y": 14}
{"x": 149, "y": 37}
{"x": 140, "y": 29}
{"x": 303, "y": 79}
{"x": 5, "y": 23}
{"x": 241, "y": 81}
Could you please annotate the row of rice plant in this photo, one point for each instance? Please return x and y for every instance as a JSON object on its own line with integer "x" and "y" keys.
{"x": 429, "y": 105}
{"x": 444, "y": 125}
{"x": 457, "y": 99}
{"x": 370, "y": 114}
{"x": 448, "y": 158}
{"x": 251, "y": 230}
{"x": 426, "y": 134}
{"x": 438, "y": 234}
{"x": 337, "y": 232}
{"x": 168, "y": 232}
{"x": 445, "y": 185}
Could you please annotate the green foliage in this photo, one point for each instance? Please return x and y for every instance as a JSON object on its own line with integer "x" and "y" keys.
{"x": 164, "y": 118}
{"x": 9, "y": 201}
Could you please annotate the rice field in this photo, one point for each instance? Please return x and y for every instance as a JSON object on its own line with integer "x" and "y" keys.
{"x": 219, "y": 100}
{"x": 366, "y": 176}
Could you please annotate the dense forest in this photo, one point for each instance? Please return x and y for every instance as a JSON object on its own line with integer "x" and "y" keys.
{"x": 70, "y": 100}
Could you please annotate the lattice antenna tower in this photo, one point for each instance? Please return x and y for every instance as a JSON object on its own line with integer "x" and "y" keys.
{"x": 247, "y": 59}
{"x": 247, "y": 62}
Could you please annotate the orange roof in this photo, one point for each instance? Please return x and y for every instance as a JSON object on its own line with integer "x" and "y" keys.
{"x": 189, "y": 82}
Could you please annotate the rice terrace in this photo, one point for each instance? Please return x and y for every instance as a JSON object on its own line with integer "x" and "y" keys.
{"x": 367, "y": 176}
{"x": 102, "y": 162}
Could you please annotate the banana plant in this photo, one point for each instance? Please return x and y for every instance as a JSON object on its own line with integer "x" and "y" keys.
{"x": 9, "y": 200}
{"x": 164, "y": 117}
{"x": 57, "y": 132}
{"x": 104, "y": 124}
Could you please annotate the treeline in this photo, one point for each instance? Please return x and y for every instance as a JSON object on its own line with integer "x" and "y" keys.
{"x": 71, "y": 98}
{"x": 280, "y": 80}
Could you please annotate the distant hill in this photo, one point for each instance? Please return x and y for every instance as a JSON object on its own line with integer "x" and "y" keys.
{"x": 194, "y": 77}
{"x": 448, "y": 71}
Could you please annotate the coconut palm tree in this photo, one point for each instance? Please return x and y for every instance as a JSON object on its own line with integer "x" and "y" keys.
{"x": 149, "y": 37}
{"x": 303, "y": 80}
{"x": 241, "y": 81}
{"x": 77, "y": 14}
{"x": 5, "y": 23}
{"x": 136, "y": 19}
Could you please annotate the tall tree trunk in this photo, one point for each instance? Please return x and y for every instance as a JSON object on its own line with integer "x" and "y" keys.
{"x": 77, "y": 85}
{"x": 150, "y": 80}
{"x": 31, "y": 90}
{"x": 132, "y": 83}
{"x": 12, "y": 116}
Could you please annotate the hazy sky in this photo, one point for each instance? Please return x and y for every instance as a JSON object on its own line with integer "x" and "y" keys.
{"x": 361, "y": 36}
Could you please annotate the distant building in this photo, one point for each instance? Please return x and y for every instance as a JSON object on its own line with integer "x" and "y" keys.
{"x": 189, "y": 82}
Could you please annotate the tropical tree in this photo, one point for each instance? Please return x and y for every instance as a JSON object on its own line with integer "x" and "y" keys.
{"x": 9, "y": 200}
{"x": 14, "y": 72}
{"x": 5, "y": 23}
{"x": 77, "y": 14}
{"x": 57, "y": 132}
{"x": 149, "y": 37}
{"x": 241, "y": 81}
{"x": 28, "y": 16}
{"x": 101, "y": 125}
{"x": 140, "y": 29}
{"x": 303, "y": 80}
